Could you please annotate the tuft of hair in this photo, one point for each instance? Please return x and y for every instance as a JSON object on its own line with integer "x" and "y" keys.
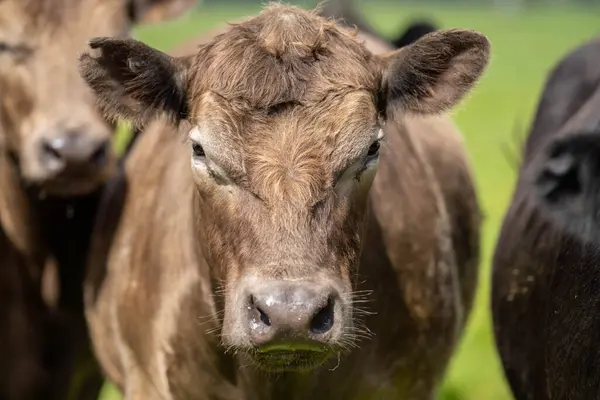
{"x": 289, "y": 33}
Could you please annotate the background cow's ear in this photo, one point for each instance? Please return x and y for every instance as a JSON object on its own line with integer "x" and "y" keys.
{"x": 136, "y": 82}
{"x": 433, "y": 74}
{"x": 566, "y": 179}
{"x": 153, "y": 11}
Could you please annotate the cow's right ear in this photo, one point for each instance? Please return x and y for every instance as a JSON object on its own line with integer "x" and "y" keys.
{"x": 136, "y": 82}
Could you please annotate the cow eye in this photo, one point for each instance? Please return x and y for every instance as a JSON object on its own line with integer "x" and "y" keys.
{"x": 19, "y": 51}
{"x": 198, "y": 150}
{"x": 374, "y": 150}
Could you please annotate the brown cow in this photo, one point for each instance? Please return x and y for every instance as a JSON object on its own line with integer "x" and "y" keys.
{"x": 55, "y": 156}
{"x": 252, "y": 247}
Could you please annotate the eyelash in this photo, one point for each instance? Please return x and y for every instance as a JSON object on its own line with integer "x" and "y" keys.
{"x": 372, "y": 154}
{"x": 198, "y": 152}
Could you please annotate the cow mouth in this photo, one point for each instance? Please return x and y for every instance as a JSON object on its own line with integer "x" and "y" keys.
{"x": 69, "y": 186}
{"x": 291, "y": 357}
{"x": 73, "y": 182}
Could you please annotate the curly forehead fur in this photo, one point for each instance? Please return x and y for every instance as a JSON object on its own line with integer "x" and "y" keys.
{"x": 299, "y": 90}
{"x": 284, "y": 55}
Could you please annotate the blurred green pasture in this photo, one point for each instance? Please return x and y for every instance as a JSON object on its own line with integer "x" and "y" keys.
{"x": 525, "y": 45}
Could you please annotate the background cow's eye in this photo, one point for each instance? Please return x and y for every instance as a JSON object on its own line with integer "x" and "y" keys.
{"x": 19, "y": 51}
{"x": 198, "y": 150}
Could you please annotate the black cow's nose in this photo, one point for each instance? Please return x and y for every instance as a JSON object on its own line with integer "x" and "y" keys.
{"x": 282, "y": 311}
{"x": 73, "y": 150}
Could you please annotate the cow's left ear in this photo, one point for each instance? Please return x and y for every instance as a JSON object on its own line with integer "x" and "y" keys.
{"x": 434, "y": 73}
{"x": 153, "y": 11}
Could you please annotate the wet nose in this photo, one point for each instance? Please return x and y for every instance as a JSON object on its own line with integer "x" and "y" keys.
{"x": 74, "y": 150}
{"x": 291, "y": 311}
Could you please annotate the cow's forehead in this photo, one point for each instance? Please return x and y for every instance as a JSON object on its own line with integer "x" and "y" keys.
{"x": 285, "y": 55}
{"x": 51, "y": 21}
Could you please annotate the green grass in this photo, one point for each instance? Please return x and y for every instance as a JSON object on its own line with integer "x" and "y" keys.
{"x": 524, "y": 47}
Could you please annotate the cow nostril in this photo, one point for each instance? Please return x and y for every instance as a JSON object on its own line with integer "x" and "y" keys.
{"x": 322, "y": 322}
{"x": 51, "y": 150}
{"x": 99, "y": 155}
{"x": 264, "y": 317}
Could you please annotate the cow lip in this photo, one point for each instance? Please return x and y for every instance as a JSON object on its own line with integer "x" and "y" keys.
{"x": 290, "y": 361}
{"x": 291, "y": 356}
{"x": 293, "y": 347}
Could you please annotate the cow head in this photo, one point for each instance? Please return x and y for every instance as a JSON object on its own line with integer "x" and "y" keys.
{"x": 50, "y": 127}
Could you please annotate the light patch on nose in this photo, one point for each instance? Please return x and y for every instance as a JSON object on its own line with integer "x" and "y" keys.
{"x": 270, "y": 301}
{"x": 58, "y": 142}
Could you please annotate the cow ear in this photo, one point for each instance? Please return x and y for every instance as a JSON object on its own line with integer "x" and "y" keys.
{"x": 153, "y": 11}
{"x": 136, "y": 82}
{"x": 565, "y": 179}
{"x": 434, "y": 73}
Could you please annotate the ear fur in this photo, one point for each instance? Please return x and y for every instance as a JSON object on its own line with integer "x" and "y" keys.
{"x": 434, "y": 73}
{"x": 136, "y": 82}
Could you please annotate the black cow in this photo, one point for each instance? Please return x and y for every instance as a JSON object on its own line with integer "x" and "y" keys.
{"x": 546, "y": 268}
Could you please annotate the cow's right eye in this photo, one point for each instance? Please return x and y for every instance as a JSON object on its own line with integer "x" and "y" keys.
{"x": 19, "y": 51}
{"x": 198, "y": 150}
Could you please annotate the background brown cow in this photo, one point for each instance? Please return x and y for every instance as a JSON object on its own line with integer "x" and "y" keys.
{"x": 55, "y": 156}
{"x": 270, "y": 241}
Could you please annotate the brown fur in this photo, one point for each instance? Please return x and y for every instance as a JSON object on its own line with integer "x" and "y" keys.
{"x": 286, "y": 105}
{"x": 45, "y": 219}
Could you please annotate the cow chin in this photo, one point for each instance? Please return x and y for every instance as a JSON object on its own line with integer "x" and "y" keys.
{"x": 67, "y": 188}
{"x": 78, "y": 183}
